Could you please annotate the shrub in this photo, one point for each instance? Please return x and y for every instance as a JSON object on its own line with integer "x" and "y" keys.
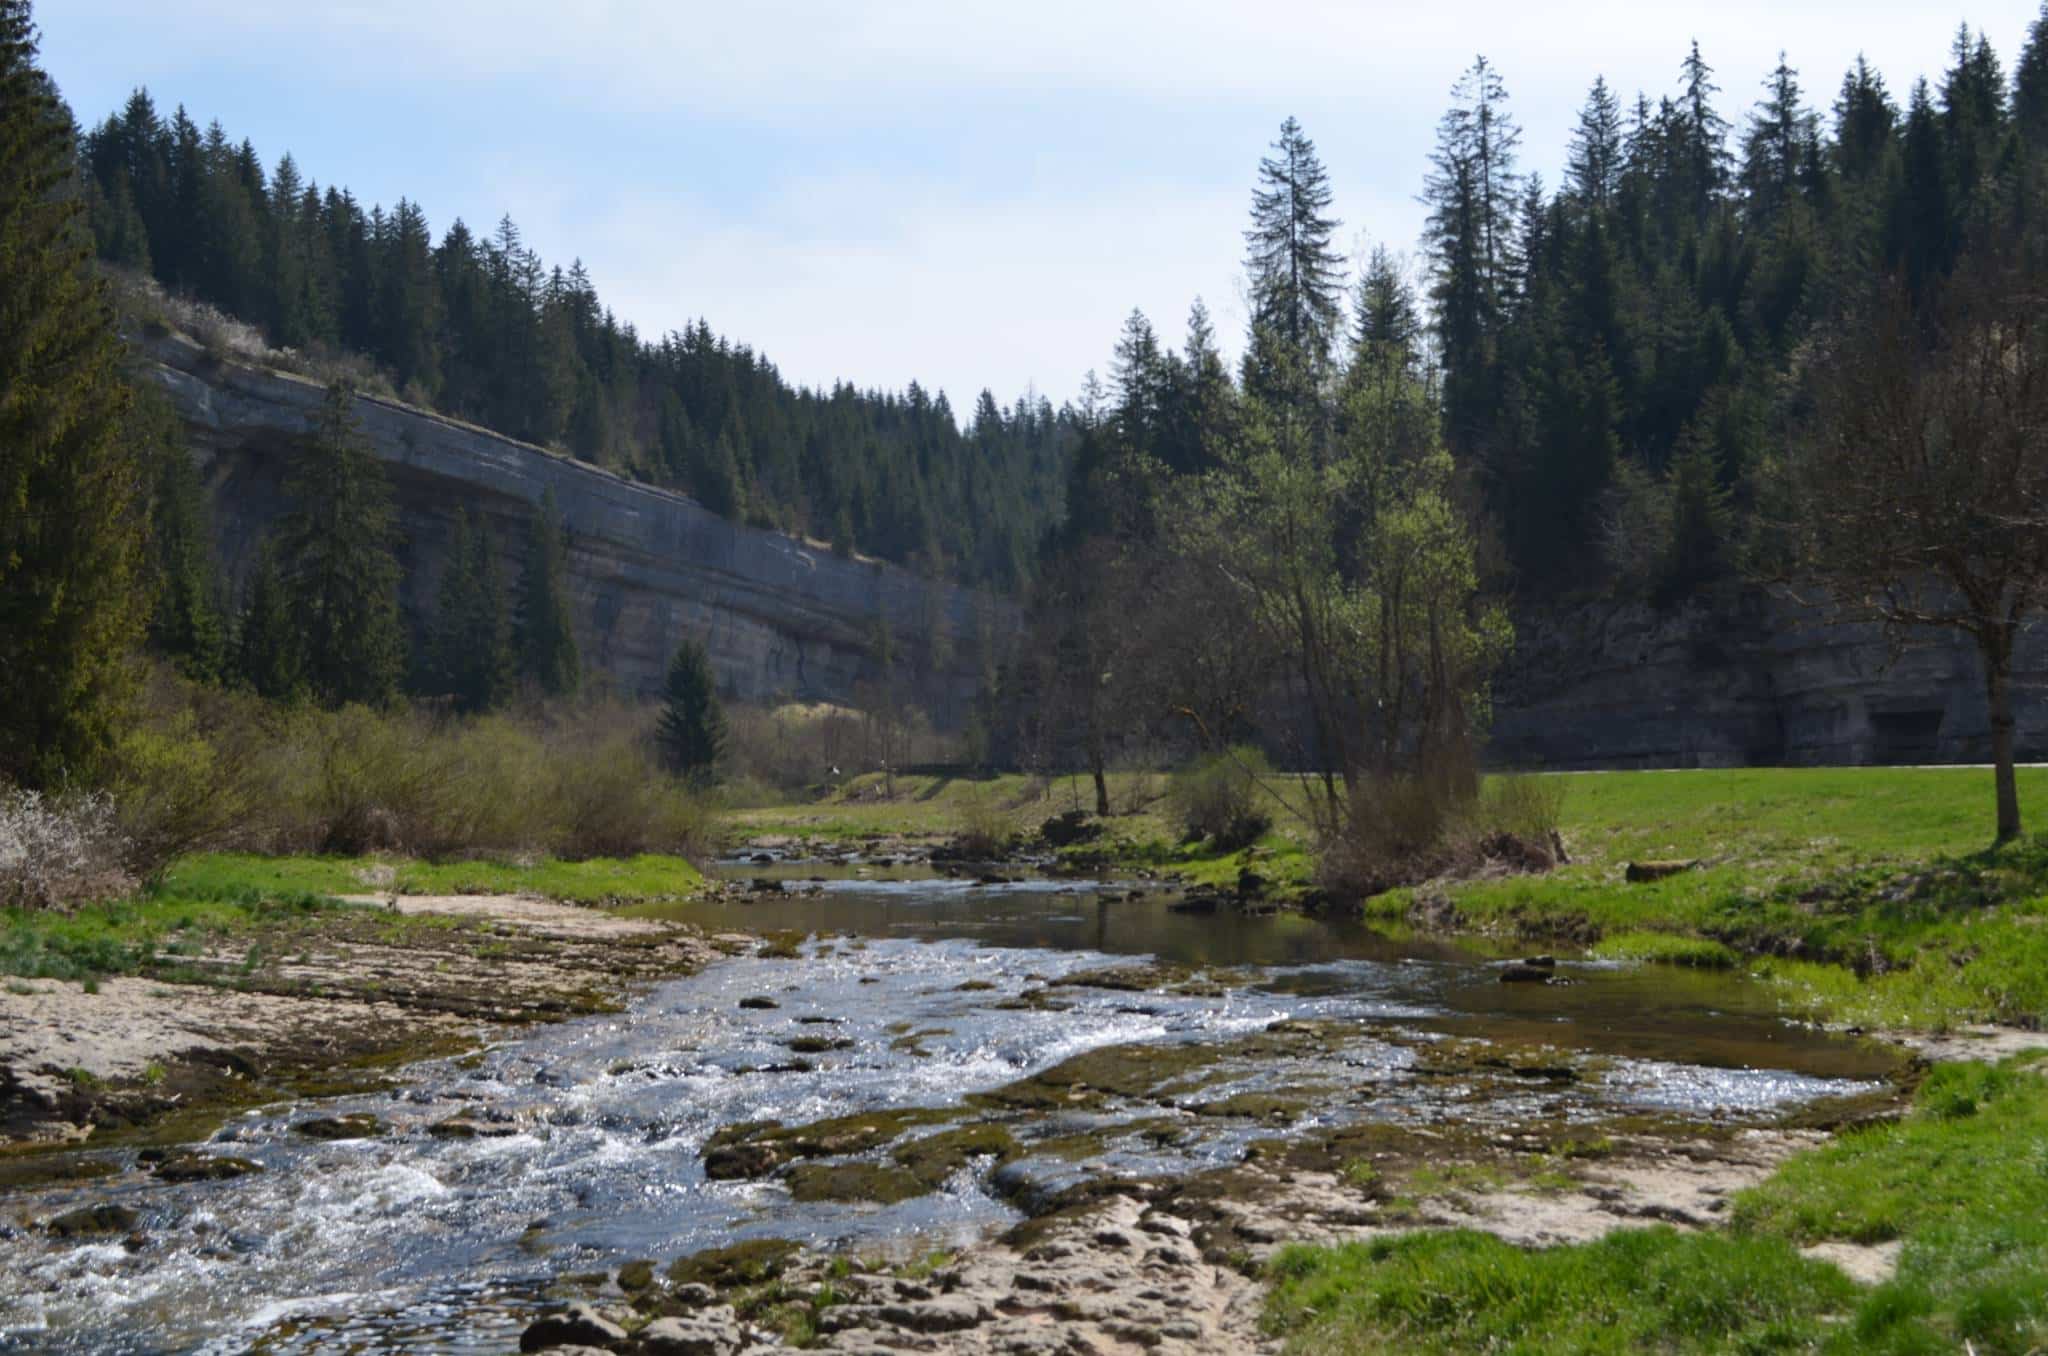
{"x": 1403, "y": 828}
{"x": 985, "y": 830}
{"x": 57, "y": 852}
{"x": 1217, "y": 797}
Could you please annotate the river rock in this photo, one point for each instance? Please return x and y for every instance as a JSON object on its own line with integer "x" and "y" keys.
{"x": 93, "y": 1220}
{"x": 578, "y": 1325}
{"x": 359, "y": 1125}
{"x": 204, "y": 1168}
{"x": 759, "y": 1001}
{"x": 1527, "y": 974}
{"x": 948, "y": 1313}
{"x": 735, "y": 1162}
{"x": 711, "y": 1332}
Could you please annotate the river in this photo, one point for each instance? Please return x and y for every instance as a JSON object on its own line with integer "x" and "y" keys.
{"x": 912, "y": 992}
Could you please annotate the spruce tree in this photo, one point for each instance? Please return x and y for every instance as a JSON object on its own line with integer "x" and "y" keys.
{"x": 471, "y": 655}
{"x": 1593, "y": 165}
{"x": 72, "y": 488}
{"x": 691, "y": 732}
{"x": 547, "y": 644}
{"x": 1296, "y": 277}
{"x": 268, "y": 655}
{"x": 2030, "y": 85}
{"x": 185, "y": 619}
{"x": 340, "y": 573}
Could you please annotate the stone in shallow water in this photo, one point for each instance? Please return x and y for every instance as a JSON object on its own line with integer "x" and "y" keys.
{"x": 93, "y": 1220}
{"x": 360, "y": 1125}
{"x": 579, "y": 1325}
{"x": 204, "y": 1168}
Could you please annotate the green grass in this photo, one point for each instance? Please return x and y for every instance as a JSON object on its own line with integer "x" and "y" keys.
{"x": 1635, "y": 1290}
{"x": 1867, "y": 893}
{"x": 598, "y": 880}
{"x": 135, "y": 935}
{"x": 1961, "y": 1181}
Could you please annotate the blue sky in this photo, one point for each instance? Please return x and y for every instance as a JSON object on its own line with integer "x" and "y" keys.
{"x": 961, "y": 193}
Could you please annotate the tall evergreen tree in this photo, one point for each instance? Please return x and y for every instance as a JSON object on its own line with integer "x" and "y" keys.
{"x": 2030, "y": 85}
{"x": 1594, "y": 163}
{"x": 1296, "y": 277}
{"x": 335, "y": 548}
{"x": 471, "y": 652}
{"x": 72, "y": 488}
{"x": 547, "y": 645}
{"x": 185, "y": 619}
{"x": 691, "y": 732}
{"x": 269, "y": 650}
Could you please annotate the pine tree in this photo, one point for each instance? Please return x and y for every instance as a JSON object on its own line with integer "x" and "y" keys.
{"x": 269, "y": 656}
{"x": 335, "y": 549}
{"x": 2030, "y": 85}
{"x": 471, "y": 651}
{"x": 185, "y": 620}
{"x": 691, "y": 731}
{"x": 1296, "y": 277}
{"x": 1700, "y": 150}
{"x": 72, "y": 488}
{"x": 1865, "y": 119}
{"x": 1471, "y": 195}
{"x": 1594, "y": 163}
{"x": 1782, "y": 141}
{"x": 547, "y": 645}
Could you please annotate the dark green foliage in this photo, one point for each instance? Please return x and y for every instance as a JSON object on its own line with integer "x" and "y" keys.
{"x": 546, "y": 643}
{"x": 186, "y": 620}
{"x": 691, "y": 732}
{"x": 471, "y": 653}
{"x": 268, "y": 653}
{"x": 334, "y": 550}
{"x": 1296, "y": 278}
{"x": 481, "y": 329}
{"x": 73, "y": 487}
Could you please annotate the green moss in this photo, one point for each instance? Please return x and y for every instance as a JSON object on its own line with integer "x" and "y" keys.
{"x": 750, "y": 1263}
{"x": 865, "y": 1183}
{"x": 935, "y": 1158}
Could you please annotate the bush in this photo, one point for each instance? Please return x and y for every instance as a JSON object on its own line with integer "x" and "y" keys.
{"x": 58, "y": 852}
{"x": 1217, "y": 797}
{"x": 986, "y": 831}
{"x": 1402, "y": 829}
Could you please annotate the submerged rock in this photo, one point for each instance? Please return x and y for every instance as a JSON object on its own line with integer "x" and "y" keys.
{"x": 93, "y": 1221}
{"x": 357, "y": 1125}
{"x": 751, "y": 1263}
{"x": 204, "y": 1168}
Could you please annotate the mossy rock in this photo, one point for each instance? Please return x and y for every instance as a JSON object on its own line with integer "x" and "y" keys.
{"x": 635, "y": 1277}
{"x": 1277, "y": 1108}
{"x": 935, "y": 1158}
{"x": 204, "y": 1168}
{"x": 36, "y": 1170}
{"x": 93, "y": 1221}
{"x": 1134, "y": 1072}
{"x": 357, "y": 1125}
{"x": 755, "y": 1262}
{"x": 864, "y": 1183}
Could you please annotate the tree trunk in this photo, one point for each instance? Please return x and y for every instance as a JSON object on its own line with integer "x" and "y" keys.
{"x": 1996, "y": 648}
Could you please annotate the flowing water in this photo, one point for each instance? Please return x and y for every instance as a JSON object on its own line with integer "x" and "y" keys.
{"x": 925, "y": 992}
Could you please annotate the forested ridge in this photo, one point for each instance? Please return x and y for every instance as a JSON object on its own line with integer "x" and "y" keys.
{"x": 478, "y": 327}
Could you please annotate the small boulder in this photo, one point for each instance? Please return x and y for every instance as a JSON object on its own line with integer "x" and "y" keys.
{"x": 759, "y": 1002}
{"x": 358, "y": 1125}
{"x": 204, "y": 1168}
{"x": 636, "y": 1276}
{"x": 714, "y": 1332}
{"x": 93, "y": 1221}
{"x": 745, "y": 1161}
{"x": 1527, "y": 974}
{"x": 577, "y": 1326}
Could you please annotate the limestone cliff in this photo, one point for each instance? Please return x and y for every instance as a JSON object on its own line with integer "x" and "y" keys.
{"x": 1753, "y": 680}
{"x": 645, "y": 566}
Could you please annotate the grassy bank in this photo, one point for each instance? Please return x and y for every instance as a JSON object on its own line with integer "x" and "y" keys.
{"x": 216, "y": 900}
{"x": 1959, "y": 1184}
{"x": 1866, "y": 893}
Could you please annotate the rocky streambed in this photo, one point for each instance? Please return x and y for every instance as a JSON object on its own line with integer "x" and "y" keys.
{"x": 938, "y": 1113}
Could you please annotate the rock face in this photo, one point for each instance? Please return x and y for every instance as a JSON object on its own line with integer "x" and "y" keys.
{"x": 645, "y": 567}
{"x": 1754, "y": 680}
